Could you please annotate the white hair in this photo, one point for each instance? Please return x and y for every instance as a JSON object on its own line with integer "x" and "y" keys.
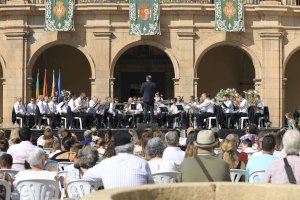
{"x": 127, "y": 148}
{"x": 291, "y": 142}
{"x": 36, "y": 157}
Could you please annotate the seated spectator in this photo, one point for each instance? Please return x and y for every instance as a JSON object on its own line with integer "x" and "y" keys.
{"x": 193, "y": 168}
{"x": 36, "y": 159}
{"x": 235, "y": 138}
{"x": 19, "y": 151}
{"x": 4, "y": 145}
{"x": 287, "y": 170}
{"x": 154, "y": 151}
{"x": 14, "y": 137}
{"x": 147, "y": 135}
{"x": 228, "y": 154}
{"x": 191, "y": 149}
{"x": 246, "y": 150}
{"x": 47, "y": 136}
{"x": 95, "y": 136}
{"x": 278, "y": 153}
{"x": 73, "y": 157}
{"x": 55, "y": 149}
{"x": 136, "y": 142}
{"x": 87, "y": 157}
{"x": 66, "y": 145}
{"x": 262, "y": 161}
{"x": 88, "y": 139}
{"x": 122, "y": 170}
{"x": 6, "y": 162}
{"x": 173, "y": 152}
{"x": 62, "y": 133}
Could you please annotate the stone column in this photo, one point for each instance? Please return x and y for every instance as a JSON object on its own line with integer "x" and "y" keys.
{"x": 15, "y": 85}
{"x": 102, "y": 64}
{"x": 186, "y": 63}
{"x": 176, "y": 87}
{"x": 111, "y": 86}
{"x": 195, "y": 93}
{"x": 272, "y": 70}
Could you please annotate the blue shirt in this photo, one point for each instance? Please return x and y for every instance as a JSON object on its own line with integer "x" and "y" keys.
{"x": 260, "y": 162}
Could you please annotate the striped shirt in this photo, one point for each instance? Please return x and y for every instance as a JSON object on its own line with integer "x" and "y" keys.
{"x": 122, "y": 170}
{"x": 276, "y": 173}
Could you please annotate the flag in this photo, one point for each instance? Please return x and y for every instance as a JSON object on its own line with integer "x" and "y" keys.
{"x": 53, "y": 85}
{"x": 59, "y": 88}
{"x": 45, "y": 93}
{"x": 229, "y": 15}
{"x": 144, "y": 17}
{"x": 59, "y": 15}
{"x": 37, "y": 85}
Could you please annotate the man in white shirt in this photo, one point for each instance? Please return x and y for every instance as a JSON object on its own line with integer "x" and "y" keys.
{"x": 50, "y": 111}
{"x": 122, "y": 170}
{"x": 173, "y": 113}
{"x": 259, "y": 109}
{"x": 20, "y": 109}
{"x": 64, "y": 110}
{"x": 206, "y": 109}
{"x": 137, "y": 113}
{"x": 243, "y": 109}
{"x": 41, "y": 110}
{"x": 173, "y": 152}
{"x": 31, "y": 110}
{"x": 227, "y": 106}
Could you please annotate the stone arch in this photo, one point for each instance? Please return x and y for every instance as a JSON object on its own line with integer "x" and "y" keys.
{"x": 209, "y": 46}
{"x": 44, "y": 47}
{"x": 167, "y": 51}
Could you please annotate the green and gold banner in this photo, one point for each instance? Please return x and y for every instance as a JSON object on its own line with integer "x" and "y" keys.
{"x": 144, "y": 17}
{"x": 229, "y": 15}
{"x": 59, "y": 15}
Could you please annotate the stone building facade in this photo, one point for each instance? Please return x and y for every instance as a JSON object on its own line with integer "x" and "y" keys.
{"x": 189, "y": 57}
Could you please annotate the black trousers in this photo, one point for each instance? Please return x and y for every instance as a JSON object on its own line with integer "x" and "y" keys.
{"x": 200, "y": 118}
{"x": 236, "y": 117}
{"x": 171, "y": 117}
{"x": 148, "y": 106}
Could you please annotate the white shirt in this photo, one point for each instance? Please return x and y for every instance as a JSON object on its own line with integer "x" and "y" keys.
{"x": 30, "y": 174}
{"x": 174, "y": 154}
{"x": 139, "y": 108}
{"x": 161, "y": 165}
{"x": 62, "y": 107}
{"x": 206, "y": 106}
{"x": 31, "y": 108}
{"x": 243, "y": 108}
{"x": 80, "y": 102}
{"x": 122, "y": 170}
{"x": 111, "y": 109}
{"x": 261, "y": 106}
{"x": 52, "y": 106}
{"x": 47, "y": 108}
{"x": 229, "y": 106}
{"x": 19, "y": 108}
{"x": 174, "y": 110}
{"x": 41, "y": 106}
{"x": 19, "y": 151}
{"x": 72, "y": 105}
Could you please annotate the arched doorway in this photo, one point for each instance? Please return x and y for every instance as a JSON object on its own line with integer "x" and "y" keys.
{"x": 73, "y": 65}
{"x": 137, "y": 62}
{"x": 225, "y": 67}
{"x": 292, "y": 71}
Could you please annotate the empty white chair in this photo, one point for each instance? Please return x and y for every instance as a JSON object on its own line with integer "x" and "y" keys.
{"x": 62, "y": 165}
{"x": 167, "y": 177}
{"x": 65, "y": 121}
{"x": 38, "y": 189}
{"x": 20, "y": 121}
{"x": 80, "y": 121}
{"x": 7, "y": 189}
{"x": 243, "y": 120}
{"x": 236, "y": 174}
{"x": 78, "y": 188}
{"x": 257, "y": 176}
{"x": 210, "y": 119}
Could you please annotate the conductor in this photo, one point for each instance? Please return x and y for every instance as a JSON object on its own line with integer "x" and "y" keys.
{"x": 148, "y": 90}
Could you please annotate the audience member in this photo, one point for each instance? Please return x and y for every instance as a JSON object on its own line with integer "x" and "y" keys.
{"x": 6, "y": 163}
{"x": 262, "y": 161}
{"x": 246, "y": 150}
{"x": 55, "y": 149}
{"x": 154, "y": 150}
{"x": 14, "y": 137}
{"x": 205, "y": 167}
{"x": 228, "y": 154}
{"x": 66, "y": 145}
{"x": 287, "y": 170}
{"x": 4, "y": 145}
{"x": 122, "y": 170}
{"x": 46, "y": 137}
{"x": 173, "y": 152}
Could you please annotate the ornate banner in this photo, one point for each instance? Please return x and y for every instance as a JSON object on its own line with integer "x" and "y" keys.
{"x": 229, "y": 15}
{"x": 59, "y": 15}
{"x": 144, "y": 17}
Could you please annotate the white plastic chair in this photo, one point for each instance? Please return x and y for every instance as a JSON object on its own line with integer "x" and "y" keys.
{"x": 210, "y": 119}
{"x": 11, "y": 172}
{"x": 38, "y": 189}
{"x": 166, "y": 177}
{"x": 257, "y": 176}
{"x": 236, "y": 174}
{"x": 62, "y": 165}
{"x": 7, "y": 189}
{"x": 21, "y": 121}
{"x": 80, "y": 121}
{"x": 243, "y": 120}
{"x": 65, "y": 121}
{"x": 78, "y": 188}
{"x": 18, "y": 166}
{"x": 47, "y": 120}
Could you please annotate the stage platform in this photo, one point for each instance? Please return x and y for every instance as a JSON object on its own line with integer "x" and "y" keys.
{"x": 79, "y": 133}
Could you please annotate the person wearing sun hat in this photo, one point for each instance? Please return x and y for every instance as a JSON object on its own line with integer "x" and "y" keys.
{"x": 122, "y": 170}
{"x": 205, "y": 167}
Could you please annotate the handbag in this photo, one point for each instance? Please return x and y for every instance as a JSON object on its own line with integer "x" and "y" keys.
{"x": 289, "y": 172}
{"x": 208, "y": 176}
